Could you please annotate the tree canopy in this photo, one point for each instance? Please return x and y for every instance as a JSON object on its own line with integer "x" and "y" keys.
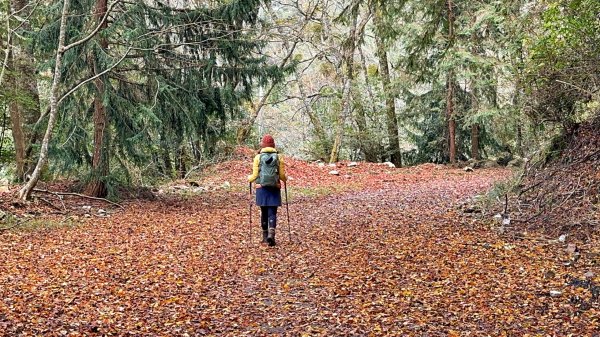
{"x": 152, "y": 89}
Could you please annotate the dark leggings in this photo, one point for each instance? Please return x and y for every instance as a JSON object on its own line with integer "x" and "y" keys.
{"x": 268, "y": 217}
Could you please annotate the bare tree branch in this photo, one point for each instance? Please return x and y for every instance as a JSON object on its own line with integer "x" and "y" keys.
{"x": 81, "y": 196}
{"x": 577, "y": 87}
{"x": 7, "y": 50}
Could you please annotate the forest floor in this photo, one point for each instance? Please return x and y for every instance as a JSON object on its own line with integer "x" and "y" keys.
{"x": 374, "y": 251}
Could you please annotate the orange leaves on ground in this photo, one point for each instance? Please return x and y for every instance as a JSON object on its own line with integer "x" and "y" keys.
{"x": 390, "y": 257}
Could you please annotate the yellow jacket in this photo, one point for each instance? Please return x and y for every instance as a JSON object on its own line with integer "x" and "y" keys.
{"x": 256, "y": 164}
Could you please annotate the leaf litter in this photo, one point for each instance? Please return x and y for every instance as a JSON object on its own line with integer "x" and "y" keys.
{"x": 384, "y": 253}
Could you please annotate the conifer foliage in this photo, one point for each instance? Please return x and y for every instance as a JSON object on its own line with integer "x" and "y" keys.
{"x": 155, "y": 88}
{"x": 149, "y": 82}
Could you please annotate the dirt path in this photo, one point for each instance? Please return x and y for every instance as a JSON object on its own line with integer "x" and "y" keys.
{"x": 393, "y": 259}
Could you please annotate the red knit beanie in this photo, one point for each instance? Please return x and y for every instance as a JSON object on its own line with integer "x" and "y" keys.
{"x": 267, "y": 141}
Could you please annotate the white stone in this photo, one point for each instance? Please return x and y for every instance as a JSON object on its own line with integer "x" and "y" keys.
{"x": 352, "y": 164}
{"x": 226, "y": 185}
{"x": 390, "y": 165}
{"x": 562, "y": 238}
{"x": 334, "y": 173}
{"x": 555, "y": 293}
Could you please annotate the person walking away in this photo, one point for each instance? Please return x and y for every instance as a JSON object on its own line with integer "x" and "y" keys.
{"x": 268, "y": 171}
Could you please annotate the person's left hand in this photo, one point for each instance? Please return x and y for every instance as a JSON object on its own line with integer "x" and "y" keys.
{"x": 258, "y": 186}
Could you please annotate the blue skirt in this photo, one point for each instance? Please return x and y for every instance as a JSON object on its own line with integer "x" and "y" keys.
{"x": 268, "y": 196}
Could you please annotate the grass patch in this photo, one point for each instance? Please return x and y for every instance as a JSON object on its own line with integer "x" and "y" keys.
{"x": 19, "y": 224}
{"x": 316, "y": 191}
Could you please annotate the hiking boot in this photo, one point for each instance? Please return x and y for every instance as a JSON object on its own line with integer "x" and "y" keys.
{"x": 271, "y": 237}
{"x": 265, "y": 234}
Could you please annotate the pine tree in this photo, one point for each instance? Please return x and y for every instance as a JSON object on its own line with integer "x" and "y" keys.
{"x": 454, "y": 52}
{"x": 176, "y": 75}
{"x": 25, "y": 103}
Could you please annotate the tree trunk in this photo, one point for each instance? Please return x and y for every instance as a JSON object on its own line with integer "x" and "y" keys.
{"x": 360, "y": 116}
{"x": 25, "y": 109}
{"x": 369, "y": 144}
{"x": 475, "y": 141}
{"x": 180, "y": 160}
{"x": 519, "y": 126}
{"x": 390, "y": 104}
{"x": 361, "y": 124}
{"x": 349, "y": 48}
{"x": 25, "y": 191}
{"x": 16, "y": 119}
{"x": 100, "y": 161}
{"x": 450, "y": 90}
{"x": 450, "y": 117}
{"x": 475, "y": 127}
{"x": 365, "y": 70}
{"x": 196, "y": 148}
{"x": 312, "y": 116}
{"x": 341, "y": 120}
{"x": 166, "y": 154}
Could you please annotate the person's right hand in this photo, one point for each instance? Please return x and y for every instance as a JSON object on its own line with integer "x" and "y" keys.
{"x": 258, "y": 185}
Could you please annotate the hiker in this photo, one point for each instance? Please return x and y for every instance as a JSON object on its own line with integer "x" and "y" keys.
{"x": 268, "y": 171}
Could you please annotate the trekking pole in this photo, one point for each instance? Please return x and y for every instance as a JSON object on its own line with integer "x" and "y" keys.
{"x": 287, "y": 207}
{"x": 250, "y": 214}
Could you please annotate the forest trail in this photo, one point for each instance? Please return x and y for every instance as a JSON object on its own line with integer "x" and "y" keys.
{"x": 390, "y": 258}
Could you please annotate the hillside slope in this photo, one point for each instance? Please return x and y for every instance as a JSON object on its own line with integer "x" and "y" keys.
{"x": 562, "y": 194}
